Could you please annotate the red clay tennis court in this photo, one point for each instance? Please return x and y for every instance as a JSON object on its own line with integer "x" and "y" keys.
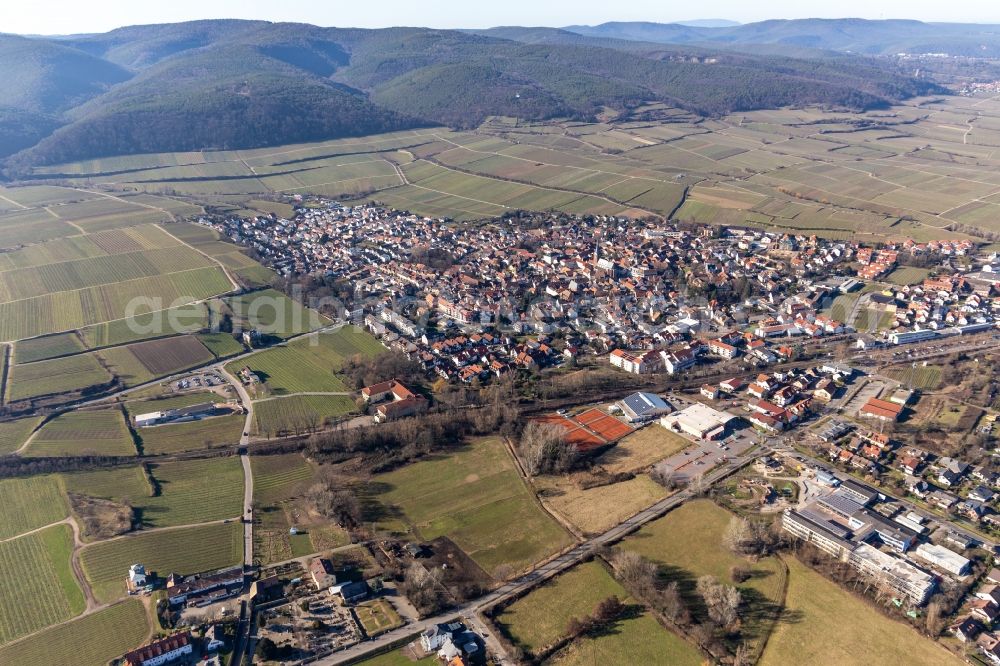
{"x": 589, "y": 430}
{"x": 604, "y": 425}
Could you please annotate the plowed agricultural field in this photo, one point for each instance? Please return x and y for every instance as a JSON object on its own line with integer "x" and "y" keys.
{"x": 162, "y": 357}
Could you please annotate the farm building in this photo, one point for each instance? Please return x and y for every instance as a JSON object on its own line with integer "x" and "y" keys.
{"x": 390, "y": 390}
{"x": 641, "y": 407}
{"x": 402, "y": 402}
{"x": 350, "y": 592}
{"x": 698, "y": 420}
{"x": 180, "y": 415}
{"x": 881, "y": 409}
{"x": 321, "y": 572}
{"x": 203, "y": 589}
{"x": 164, "y": 651}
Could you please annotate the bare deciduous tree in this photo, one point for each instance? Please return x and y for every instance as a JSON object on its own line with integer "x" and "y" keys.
{"x": 544, "y": 449}
{"x": 721, "y": 601}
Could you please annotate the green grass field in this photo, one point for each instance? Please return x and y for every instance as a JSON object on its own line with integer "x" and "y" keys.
{"x": 920, "y": 377}
{"x": 377, "y": 617}
{"x": 71, "y": 373}
{"x": 184, "y": 550}
{"x": 689, "y": 540}
{"x": 100, "y": 432}
{"x": 14, "y": 433}
{"x": 310, "y": 364}
{"x": 50, "y": 346}
{"x": 221, "y": 344}
{"x": 539, "y": 618}
{"x": 475, "y": 497}
{"x": 299, "y": 413}
{"x": 68, "y": 310}
{"x": 906, "y": 275}
{"x": 39, "y": 589}
{"x": 277, "y": 480}
{"x": 834, "y": 627}
{"x": 288, "y": 370}
{"x": 638, "y": 640}
{"x": 203, "y": 434}
{"x": 120, "y": 483}
{"x": 194, "y": 491}
{"x": 92, "y": 640}
{"x": 272, "y": 313}
{"x": 125, "y": 366}
{"x": 184, "y": 319}
{"x": 29, "y": 503}
{"x": 280, "y": 477}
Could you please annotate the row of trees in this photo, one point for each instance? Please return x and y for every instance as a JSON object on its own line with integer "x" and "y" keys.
{"x": 544, "y": 449}
{"x": 722, "y": 604}
{"x": 387, "y": 445}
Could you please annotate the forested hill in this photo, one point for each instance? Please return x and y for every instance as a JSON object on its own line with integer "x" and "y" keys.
{"x": 886, "y": 37}
{"x": 240, "y": 84}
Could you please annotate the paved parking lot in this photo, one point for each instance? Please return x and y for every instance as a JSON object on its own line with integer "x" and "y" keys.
{"x": 871, "y": 390}
{"x": 704, "y": 455}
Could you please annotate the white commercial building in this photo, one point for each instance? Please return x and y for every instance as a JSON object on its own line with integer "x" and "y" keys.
{"x": 942, "y": 558}
{"x": 151, "y": 418}
{"x": 894, "y": 573}
{"x": 699, "y": 421}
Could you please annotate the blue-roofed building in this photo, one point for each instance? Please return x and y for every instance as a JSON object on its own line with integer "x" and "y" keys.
{"x": 642, "y": 407}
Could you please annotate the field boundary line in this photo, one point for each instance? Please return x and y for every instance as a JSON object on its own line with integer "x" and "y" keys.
{"x": 64, "y": 521}
{"x": 156, "y": 530}
{"x": 566, "y": 524}
{"x": 293, "y": 395}
{"x": 48, "y": 209}
{"x": 579, "y": 194}
{"x": 225, "y": 270}
{"x": 16, "y": 203}
{"x": 148, "y": 277}
{"x": 8, "y": 356}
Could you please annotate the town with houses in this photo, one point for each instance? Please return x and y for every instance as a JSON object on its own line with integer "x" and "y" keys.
{"x": 750, "y": 345}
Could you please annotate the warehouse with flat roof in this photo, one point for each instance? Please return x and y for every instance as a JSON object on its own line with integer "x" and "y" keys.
{"x": 942, "y": 558}
{"x": 698, "y": 420}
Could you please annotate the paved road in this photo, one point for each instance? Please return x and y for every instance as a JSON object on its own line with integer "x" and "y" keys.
{"x": 247, "y": 473}
{"x": 541, "y": 573}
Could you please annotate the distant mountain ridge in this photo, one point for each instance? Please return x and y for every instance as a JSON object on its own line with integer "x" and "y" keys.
{"x": 863, "y": 36}
{"x": 231, "y": 84}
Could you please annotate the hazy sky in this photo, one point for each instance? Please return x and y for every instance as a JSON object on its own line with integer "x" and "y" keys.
{"x": 76, "y": 16}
